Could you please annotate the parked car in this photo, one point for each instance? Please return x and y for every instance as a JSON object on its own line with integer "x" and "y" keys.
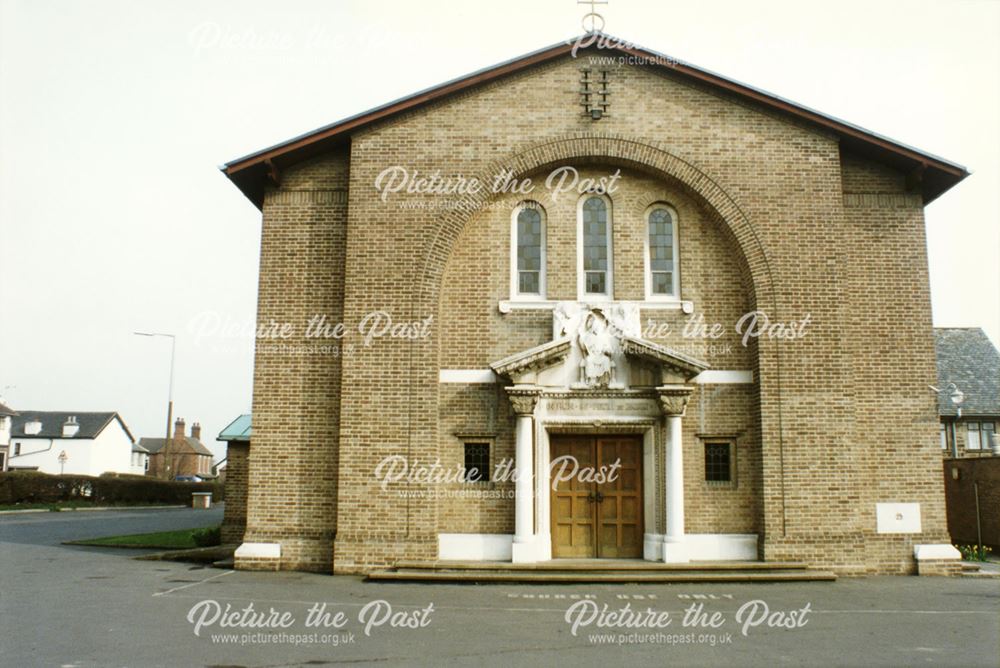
{"x": 188, "y": 478}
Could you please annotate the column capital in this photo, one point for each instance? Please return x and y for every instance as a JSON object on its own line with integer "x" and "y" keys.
{"x": 523, "y": 398}
{"x": 673, "y": 399}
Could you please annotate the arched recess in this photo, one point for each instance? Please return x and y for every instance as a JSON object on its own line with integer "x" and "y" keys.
{"x": 610, "y": 149}
{"x": 607, "y": 149}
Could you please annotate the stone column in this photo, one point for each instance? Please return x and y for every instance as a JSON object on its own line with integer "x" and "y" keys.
{"x": 524, "y": 399}
{"x": 673, "y": 401}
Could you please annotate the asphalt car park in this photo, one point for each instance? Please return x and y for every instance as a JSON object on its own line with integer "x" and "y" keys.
{"x": 67, "y": 606}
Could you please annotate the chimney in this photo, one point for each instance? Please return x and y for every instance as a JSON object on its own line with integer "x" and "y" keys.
{"x": 70, "y": 427}
{"x": 179, "y": 428}
{"x": 196, "y": 431}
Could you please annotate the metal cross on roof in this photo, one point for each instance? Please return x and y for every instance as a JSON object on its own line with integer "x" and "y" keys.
{"x": 592, "y": 17}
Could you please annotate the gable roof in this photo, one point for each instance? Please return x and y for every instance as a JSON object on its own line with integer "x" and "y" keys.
{"x": 91, "y": 424}
{"x": 5, "y": 411}
{"x": 966, "y": 357}
{"x": 238, "y": 430}
{"x": 154, "y": 445}
{"x": 251, "y": 172}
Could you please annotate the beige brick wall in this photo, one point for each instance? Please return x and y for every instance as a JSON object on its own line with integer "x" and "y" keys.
{"x": 234, "y": 518}
{"x": 772, "y": 217}
{"x": 293, "y": 463}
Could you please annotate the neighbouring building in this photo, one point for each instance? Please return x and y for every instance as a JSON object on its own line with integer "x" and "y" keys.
{"x": 972, "y": 490}
{"x": 6, "y": 414}
{"x": 968, "y": 369}
{"x": 70, "y": 442}
{"x": 140, "y": 460}
{"x": 236, "y": 436}
{"x": 718, "y": 295}
{"x": 184, "y": 455}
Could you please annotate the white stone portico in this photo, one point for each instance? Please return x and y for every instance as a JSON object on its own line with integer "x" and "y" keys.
{"x": 598, "y": 376}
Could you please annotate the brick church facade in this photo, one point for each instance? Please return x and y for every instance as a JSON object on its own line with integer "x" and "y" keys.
{"x": 715, "y": 295}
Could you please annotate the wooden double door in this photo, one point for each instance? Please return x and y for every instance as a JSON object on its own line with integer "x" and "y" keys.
{"x": 596, "y": 513}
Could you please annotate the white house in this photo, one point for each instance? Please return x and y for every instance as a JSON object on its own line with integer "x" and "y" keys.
{"x": 140, "y": 459}
{"x": 5, "y": 419}
{"x": 73, "y": 442}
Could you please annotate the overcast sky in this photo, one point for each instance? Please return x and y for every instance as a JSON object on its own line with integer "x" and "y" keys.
{"x": 115, "y": 115}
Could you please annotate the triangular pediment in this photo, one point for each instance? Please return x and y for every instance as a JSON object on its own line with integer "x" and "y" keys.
{"x": 598, "y": 346}
{"x": 668, "y": 360}
{"x": 522, "y": 366}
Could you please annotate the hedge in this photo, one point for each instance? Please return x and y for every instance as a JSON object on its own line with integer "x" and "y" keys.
{"x": 34, "y": 487}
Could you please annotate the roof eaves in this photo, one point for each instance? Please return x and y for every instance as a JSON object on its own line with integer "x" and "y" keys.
{"x": 258, "y": 159}
{"x": 229, "y": 166}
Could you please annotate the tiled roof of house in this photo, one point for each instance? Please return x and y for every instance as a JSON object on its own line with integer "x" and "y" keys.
{"x": 154, "y": 445}
{"x": 4, "y": 410}
{"x": 967, "y": 358}
{"x": 91, "y": 424}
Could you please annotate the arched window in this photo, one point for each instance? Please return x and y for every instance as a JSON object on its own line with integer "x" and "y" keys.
{"x": 662, "y": 270}
{"x": 527, "y": 280}
{"x": 594, "y": 266}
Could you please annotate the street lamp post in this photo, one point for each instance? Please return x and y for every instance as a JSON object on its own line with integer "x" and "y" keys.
{"x": 957, "y": 396}
{"x": 170, "y": 396}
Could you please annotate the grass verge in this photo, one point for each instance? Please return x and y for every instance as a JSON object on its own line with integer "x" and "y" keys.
{"x": 160, "y": 540}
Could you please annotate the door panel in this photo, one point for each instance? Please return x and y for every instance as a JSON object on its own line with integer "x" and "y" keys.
{"x": 591, "y": 518}
{"x": 621, "y": 499}
{"x": 572, "y": 510}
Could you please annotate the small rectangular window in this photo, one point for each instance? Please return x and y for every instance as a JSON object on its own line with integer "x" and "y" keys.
{"x": 973, "y": 442}
{"x": 477, "y": 462}
{"x": 989, "y": 435}
{"x": 718, "y": 462}
{"x": 17, "y": 449}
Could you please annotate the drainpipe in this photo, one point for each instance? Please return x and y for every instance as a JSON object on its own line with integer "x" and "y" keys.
{"x": 954, "y": 440}
{"x": 979, "y": 521}
{"x": 33, "y": 452}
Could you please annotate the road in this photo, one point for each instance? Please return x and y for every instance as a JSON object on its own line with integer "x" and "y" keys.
{"x": 49, "y": 528}
{"x": 63, "y": 606}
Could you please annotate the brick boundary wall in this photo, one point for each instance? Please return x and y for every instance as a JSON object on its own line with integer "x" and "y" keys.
{"x": 234, "y": 519}
{"x": 960, "y": 497}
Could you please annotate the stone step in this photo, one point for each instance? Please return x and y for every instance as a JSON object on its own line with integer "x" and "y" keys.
{"x": 601, "y": 565}
{"x": 636, "y": 576}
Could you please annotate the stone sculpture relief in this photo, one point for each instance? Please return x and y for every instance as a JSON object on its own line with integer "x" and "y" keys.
{"x": 597, "y": 332}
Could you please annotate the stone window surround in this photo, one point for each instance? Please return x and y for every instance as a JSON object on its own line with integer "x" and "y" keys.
{"x": 465, "y": 437}
{"x": 731, "y": 440}
{"x": 539, "y": 302}
{"x": 674, "y": 296}
{"x": 515, "y": 293}
{"x": 581, "y": 279}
